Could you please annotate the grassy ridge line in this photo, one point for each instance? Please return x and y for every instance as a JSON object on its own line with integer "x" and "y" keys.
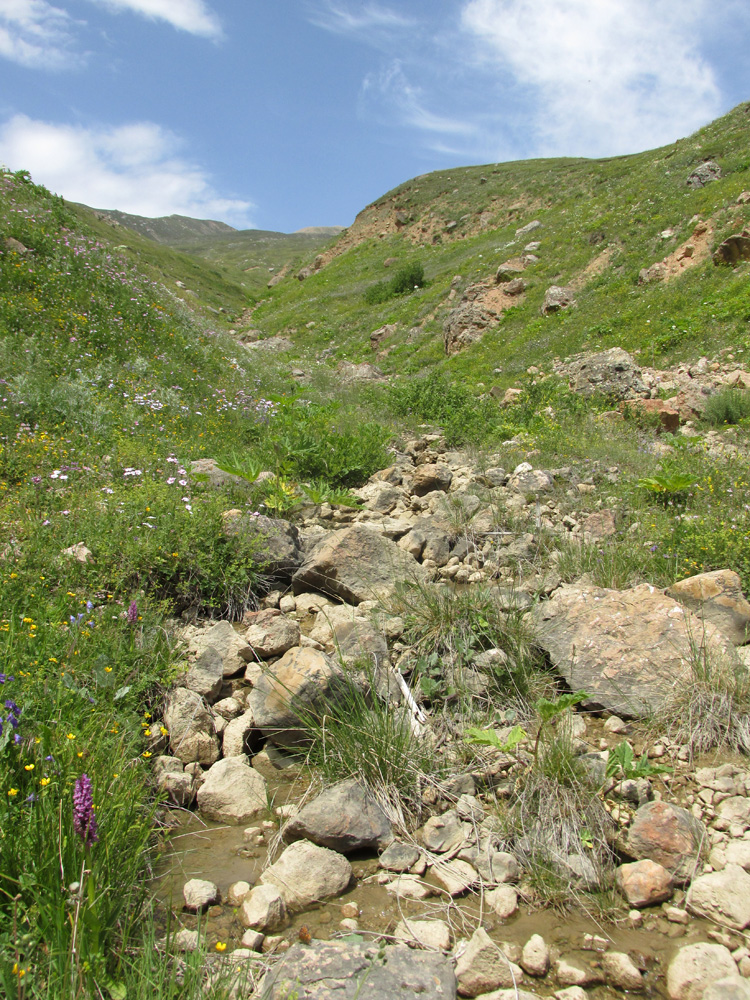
{"x": 621, "y": 204}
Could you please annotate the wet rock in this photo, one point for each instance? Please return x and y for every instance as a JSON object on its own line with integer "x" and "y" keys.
{"x": 722, "y": 896}
{"x": 483, "y": 967}
{"x": 409, "y": 887}
{"x": 192, "y": 736}
{"x": 535, "y": 956}
{"x": 263, "y": 909}
{"x": 427, "y": 478}
{"x": 644, "y": 883}
{"x": 434, "y": 935}
{"x": 717, "y": 598}
{"x": 628, "y": 649}
{"x": 236, "y": 893}
{"x": 232, "y": 792}
{"x": 620, "y": 970}
{"x": 234, "y": 739}
{"x": 357, "y": 564}
{"x": 306, "y": 873}
{"x": 349, "y": 970}
{"x": 398, "y": 857}
{"x": 344, "y": 818}
{"x": 695, "y": 967}
{"x": 669, "y": 835}
{"x": 556, "y": 298}
{"x": 301, "y": 680}
{"x": 569, "y": 973}
{"x": 199, "y": 895}
{"x": 272, "y": 637}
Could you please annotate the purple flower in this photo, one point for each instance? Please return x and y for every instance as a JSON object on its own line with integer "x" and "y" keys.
{"x": 84, "y": 820}
{"x": 132, "y": 613}
{"x": 6, "y": 677}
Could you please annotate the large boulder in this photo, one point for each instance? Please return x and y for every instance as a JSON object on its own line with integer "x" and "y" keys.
{"x": 206, "y": 675}
{"x": 629, "y": 650}
{"x": 192, "y": 735}
{"x": 344, "y": 818}
{"x": 232, "y": 792}
{"x": 716, "y": 597}
{"x": 352, "y": 970}
{"x": 301, "y": 681}
{"x": 669, "y": 835}
{"x": 466, "y": 324}
{"x": 704, "y": 174}
{"x": 306, "y": 873}
{"x": 613, "y": 373}
{"x": 356, "y": 564}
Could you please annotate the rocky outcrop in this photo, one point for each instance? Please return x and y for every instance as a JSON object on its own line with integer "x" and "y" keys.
{"x": 612, "y": 373}
{"x": 704, "y": 174}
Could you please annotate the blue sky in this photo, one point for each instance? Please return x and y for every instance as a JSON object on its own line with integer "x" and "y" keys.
{"x": 280, "y": 114}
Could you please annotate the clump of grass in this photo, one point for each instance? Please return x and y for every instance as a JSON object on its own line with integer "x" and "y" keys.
{"x": 448, "y": 628}
{"x": 407, "y": 279}
{"x": 616, "y": 563}
{"x": 363, "y": 736}
{"x": 728, "y": 406}
{"x": 711, "y": 709}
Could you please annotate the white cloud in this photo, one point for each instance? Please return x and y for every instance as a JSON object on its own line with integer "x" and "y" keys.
{"x": 35, "y": 34}
{"x": 339, "y": 18}
{"x": 134, "y": 168}
{"x": 193, "y": 16}
{"x": 598, "y": 77}
{"x": 393, "y": 88}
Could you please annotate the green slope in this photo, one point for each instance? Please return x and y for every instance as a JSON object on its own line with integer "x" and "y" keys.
{"x": 463, "y": 223}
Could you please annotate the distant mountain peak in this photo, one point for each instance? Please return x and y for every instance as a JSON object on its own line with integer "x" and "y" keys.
{"x": 166, "y": 229}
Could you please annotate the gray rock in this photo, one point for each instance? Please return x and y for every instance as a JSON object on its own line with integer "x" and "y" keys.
{"x": 483, "y": 967}
{"x": 192, "y": 736}
{"x": 353, "y": 971}
{"x": 356, "y": 564}
{"x": 306, "y": 873}
{"x": 225, "y": 640}
{"x": 398, "y": 857}
{"x": 344, "y": 818}
{"x": 263, "y": 909}
{"x": 704, "y": 174}
{"x": 442, "y": 833}
{"x": 233, "y": 792}
{"x": 272, "y": 636}
{"x": 435, "y": 935}
{"x": 557, "y": 298}
{"x": 206, "y": 675}
{"x": 206, "y": 470}
{"x": 278, "y": 543}
{"x": 234, "y": 739}
{"x": 730, "y": 988}
{"x": 531, "y": 481}
{"x": 301, "y": 681}
{"x": 621, "y": 971}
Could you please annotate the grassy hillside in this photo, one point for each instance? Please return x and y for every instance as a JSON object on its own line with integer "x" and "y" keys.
{"x": 606, "y": 216}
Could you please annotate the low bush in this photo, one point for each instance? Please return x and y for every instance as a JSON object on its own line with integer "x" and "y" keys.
{"x": 406, "y": 280}
{"x": 728, "y": 406}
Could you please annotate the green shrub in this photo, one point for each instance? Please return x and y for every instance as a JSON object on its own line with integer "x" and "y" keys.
{"x": 406, "y": 280}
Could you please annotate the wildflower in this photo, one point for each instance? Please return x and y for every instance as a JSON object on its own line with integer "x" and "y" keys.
{"x": 12, "y": 792}
{"x": 146, "y": 753}
{"x": 6, "y": 677}
{"x": 221, "y": 946}
{"x": 132, "y": 615}
{"x": 44, "y": 782}
{"x": 84, "y": 820}
{"x": 28, "y": 767}
{"x": 71, "y": 736}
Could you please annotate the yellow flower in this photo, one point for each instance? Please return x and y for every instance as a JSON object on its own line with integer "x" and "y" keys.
{"x": 28, "y": 767}
{"x": 108, "y": 670}
{"x": 18, "y": 971}
{"x": 71, "y": 736}
{"x": 146, "y": 715}
{"x": 45, "y": 781}
{"x": 52, "y": 659}
{"x": 146, "y": 753}
{"x": 146, "y": 732}
{"x": 80, "y": 753}
{"x": 221, "y": 946}
{"x": 163, "y": 731}
{"x": 12, "y": 792}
